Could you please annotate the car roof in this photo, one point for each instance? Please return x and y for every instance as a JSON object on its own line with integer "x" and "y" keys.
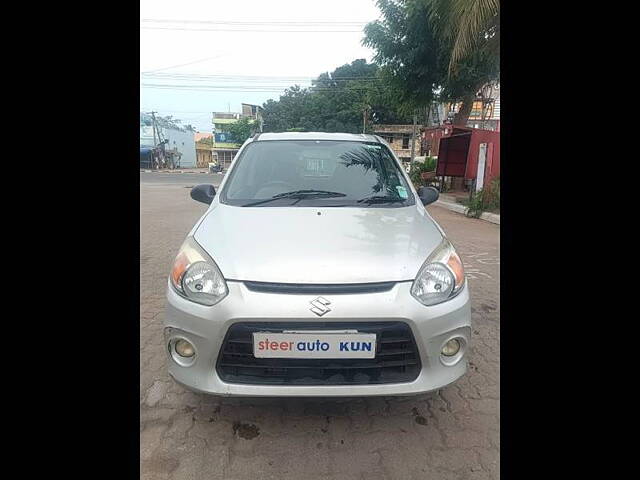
{"x": 351, "y": 137}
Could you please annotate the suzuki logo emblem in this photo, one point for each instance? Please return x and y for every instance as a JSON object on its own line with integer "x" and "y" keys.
{"x": 319, "y": 306}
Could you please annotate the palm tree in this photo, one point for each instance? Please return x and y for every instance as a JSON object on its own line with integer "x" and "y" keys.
{"x": 469, "y": 26}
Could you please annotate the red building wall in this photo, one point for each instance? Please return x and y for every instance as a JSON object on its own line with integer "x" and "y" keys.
{"x": 431, "y": 136}
{"x": 492, "y": 164}
{"x": 452, "y": 146}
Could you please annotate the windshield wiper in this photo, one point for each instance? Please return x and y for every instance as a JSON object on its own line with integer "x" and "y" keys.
{"x": 305, "y": 193}
{"x": 299, "y": 194}
{"x": 381, "y": 199}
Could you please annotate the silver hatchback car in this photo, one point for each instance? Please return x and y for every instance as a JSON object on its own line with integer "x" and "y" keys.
{"x": 316, "y": 271}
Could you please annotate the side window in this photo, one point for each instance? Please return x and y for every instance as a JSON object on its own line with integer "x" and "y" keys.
{"x": 405, "y": 141}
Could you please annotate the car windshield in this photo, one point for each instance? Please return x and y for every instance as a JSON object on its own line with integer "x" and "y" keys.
{"x": 283, "y": 173}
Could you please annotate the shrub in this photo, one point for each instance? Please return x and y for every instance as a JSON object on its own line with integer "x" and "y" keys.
{"x": 486, "y": 199}
{"x": 495, "y": 192}
{"x": 429, "y": 164}
{"x": 417, "y": 168}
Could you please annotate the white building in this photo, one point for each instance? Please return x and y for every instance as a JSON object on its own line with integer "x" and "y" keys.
{"x": 181, "y": 140}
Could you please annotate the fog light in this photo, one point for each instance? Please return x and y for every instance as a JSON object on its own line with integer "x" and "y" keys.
{"x": 184, "y": 348}
{"x": 451, "y": 348}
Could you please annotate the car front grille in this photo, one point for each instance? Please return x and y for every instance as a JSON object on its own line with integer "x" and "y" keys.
{"x": 319, "y": 289}
{"x": 397, "y": 359}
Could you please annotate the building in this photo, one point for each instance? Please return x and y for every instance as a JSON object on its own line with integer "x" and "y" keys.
{"x": 204, "y": 156}
{"x": 252, "y": 111}
{"x": 225, "y": 146}
{"x": 485, "y": 112}
{"x": 469, "y": 156}
{"x": 201, "y": 136}
{"x": 204, "y": 149}
{"x": 399, "y": 139}
{"x": 179, "y": 140}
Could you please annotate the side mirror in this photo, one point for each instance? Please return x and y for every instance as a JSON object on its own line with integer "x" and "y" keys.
{"x": 203, "y": 193}
{"x": 428, "y": 195}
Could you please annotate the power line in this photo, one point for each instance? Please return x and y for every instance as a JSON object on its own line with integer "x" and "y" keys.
{"x": 228, "y": 80}
{"x": 225, "y": 88}
{"x": 257, "y": 79}
{"x": 247, "y": 88}
{"x": 182, "y": 111}
{"x": 326, "y": 87}
{"x": 248, "y": 30}
{"x": 257, "y": 88}
{"x": 261, "y": 22}
{"x": 183, "y": 64}
{"x": 255, "y": 82}
{"x": 231, "y": 76}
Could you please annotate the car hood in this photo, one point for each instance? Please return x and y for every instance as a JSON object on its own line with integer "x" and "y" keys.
{"x": 318, "y": 245}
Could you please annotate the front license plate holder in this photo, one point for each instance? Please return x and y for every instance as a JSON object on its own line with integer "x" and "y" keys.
{"x": 314, "y": 344}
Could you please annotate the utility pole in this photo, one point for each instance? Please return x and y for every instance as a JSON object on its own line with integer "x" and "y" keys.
{"x": 365, "y": 111}
{"x": 259, "y": 119}
{"x": 155, "y": 141}
{"x": 153, "y": 119}
{"x": 413, "y": 137}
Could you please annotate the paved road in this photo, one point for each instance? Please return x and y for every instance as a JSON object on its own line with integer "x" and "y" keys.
{"x": 453, "y": 434}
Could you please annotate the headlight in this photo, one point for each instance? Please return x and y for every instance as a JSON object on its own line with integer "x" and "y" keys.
{"x": 441, "y": 277}
{"x": 196, "y": 276}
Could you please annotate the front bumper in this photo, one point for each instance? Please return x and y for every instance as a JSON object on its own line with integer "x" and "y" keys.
{"x": 205, "y": 327}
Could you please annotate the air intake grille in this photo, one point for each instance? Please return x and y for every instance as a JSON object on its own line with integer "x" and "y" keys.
{"x": 396, "y": 361}
{"x": 319, "y": 289}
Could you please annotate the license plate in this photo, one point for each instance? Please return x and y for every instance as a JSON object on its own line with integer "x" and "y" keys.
{"x": 316, "y": 344}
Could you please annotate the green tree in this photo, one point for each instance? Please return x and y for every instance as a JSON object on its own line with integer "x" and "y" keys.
{"x": 414, "y": 41}
{"x": 470, "y": 26}
{"x": 469, "y": 33}
{"x": 242, "y": 129}
{"x": 206, "y": 141}
{"x": 338, "y": 101}
{"x": 406, "y": 50}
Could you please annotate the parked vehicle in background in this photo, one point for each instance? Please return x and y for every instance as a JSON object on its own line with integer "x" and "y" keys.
{"x": 316, "y": 271}
{"x": 146, "y": 157}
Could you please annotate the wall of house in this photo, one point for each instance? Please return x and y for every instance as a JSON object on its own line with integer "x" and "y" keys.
{"x": 222, "y": 137}
{"x": 146, "y": 136}
{"x": 492, "y": 139}
{"x": 394, "y": 134}
{"x": 183, "y": 141}
{"x": 431, "y": 139}
{"x": 185, "y": 144}
{"x": 439, "y": 139}
{"x": 204, "y": 156}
